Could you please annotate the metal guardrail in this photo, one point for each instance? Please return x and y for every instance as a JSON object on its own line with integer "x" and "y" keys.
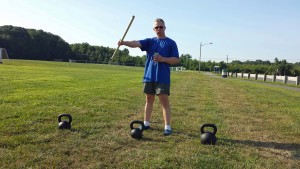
{"x": 264, "y": 77}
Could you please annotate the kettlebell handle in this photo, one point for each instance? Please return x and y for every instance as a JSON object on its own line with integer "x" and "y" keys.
{"x": 208, "y": 125}
{"x": 137, "y": 122}
{"x": 65, "y": 115}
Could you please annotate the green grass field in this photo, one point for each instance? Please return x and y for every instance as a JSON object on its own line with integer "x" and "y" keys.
{"x": 258, "y": 125}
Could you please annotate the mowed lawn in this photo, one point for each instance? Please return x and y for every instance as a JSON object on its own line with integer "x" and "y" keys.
{"x": 258, "y": 125}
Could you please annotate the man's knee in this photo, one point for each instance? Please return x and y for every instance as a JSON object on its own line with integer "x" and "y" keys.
{"x": 164, "y": 100}
{"x": 150, "y": 98}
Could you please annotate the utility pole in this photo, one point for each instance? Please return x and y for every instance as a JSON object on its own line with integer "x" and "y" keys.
{"x": 227, "y": 59}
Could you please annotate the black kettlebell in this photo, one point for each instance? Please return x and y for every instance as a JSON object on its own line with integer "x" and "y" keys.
{"x": 137, "y": 133}
{"x": 64, "y": 124}
{"x": 208, "y": 137}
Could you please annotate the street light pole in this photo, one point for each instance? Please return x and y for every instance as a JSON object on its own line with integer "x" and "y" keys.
{"x": 200, "y": 57}
{"x": 200, "y": 54}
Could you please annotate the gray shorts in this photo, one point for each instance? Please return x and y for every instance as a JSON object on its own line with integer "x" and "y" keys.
{"x": 156, "y": 88}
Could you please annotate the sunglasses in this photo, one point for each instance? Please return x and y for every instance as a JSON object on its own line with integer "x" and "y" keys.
{"x": 160, "y": 27}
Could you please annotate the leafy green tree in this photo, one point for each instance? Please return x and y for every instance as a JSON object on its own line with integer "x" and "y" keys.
{"x": 33, "y": 44}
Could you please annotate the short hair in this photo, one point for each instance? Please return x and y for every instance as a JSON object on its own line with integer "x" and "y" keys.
{"x": 159, "y": 20}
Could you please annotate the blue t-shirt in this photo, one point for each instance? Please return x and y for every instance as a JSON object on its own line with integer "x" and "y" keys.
{"x": 158, "y": 71}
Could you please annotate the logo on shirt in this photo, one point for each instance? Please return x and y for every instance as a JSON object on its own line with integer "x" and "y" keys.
{"x": 162, "y": 44}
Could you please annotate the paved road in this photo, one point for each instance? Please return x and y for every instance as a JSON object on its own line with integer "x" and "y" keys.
{"x": 260, "y": 82}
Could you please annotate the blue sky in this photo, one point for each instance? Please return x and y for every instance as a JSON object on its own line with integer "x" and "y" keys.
{"x": 242, "y": 29}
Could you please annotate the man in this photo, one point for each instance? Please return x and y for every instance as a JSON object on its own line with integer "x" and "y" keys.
{"x": 161, "y": 53}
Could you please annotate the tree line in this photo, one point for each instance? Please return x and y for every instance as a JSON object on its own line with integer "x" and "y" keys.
{"x": 100, "y": 54}
{"x": 32, "y": 44}
{"x": 278, "y": 67}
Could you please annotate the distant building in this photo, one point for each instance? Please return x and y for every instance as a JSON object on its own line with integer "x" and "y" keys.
{"x": 178, "y": 68}
{"x": 217, "y": 69}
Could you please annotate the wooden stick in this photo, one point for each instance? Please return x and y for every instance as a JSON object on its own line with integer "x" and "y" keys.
{"x": 123, "y": 36}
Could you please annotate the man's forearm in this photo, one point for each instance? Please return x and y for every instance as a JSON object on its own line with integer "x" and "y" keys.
{"x": 172, "y": 60}
{"x": 132, "y": 44}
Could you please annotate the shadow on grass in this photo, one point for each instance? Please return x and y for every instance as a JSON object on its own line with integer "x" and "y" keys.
{"x": 152, "y": 140}
{"x": 187, "y": 134}
{"x": 292, "y": 147}
{"x": 175, "y": 133}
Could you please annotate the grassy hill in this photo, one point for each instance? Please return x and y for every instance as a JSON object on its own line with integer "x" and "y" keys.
{"x": 258, "y": 125}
